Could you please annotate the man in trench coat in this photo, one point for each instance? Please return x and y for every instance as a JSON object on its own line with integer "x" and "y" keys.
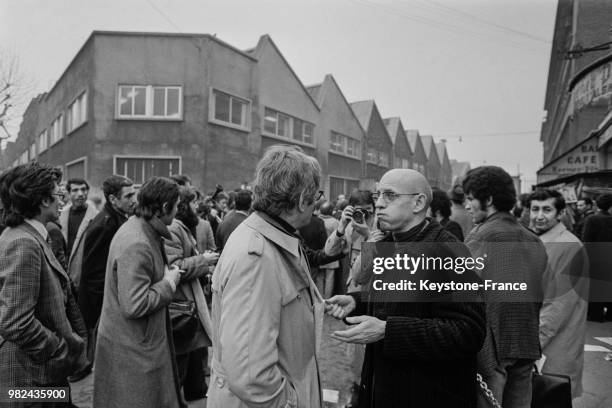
{"x": 267, "y": 312}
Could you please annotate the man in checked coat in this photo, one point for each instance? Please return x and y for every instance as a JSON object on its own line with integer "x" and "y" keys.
{"x": 514, "y": 254}
{"x": 41, "y": 329}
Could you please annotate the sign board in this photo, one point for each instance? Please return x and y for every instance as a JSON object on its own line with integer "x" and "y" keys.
{"x": 595, "y": 86}
{"x": 584, "y": 158}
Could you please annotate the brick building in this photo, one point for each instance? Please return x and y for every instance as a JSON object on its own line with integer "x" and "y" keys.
{"x": 144, "y": 104}
{"x": 576, "y": 130}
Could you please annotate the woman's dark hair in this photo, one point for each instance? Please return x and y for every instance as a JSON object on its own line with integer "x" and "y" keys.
{"x": 440, "y": 202}
{"x": 23, "y": 189}
{"x": 361, "y": 197}
{"x": 491, "y": 181}
{"x": 185, "y": 214}
{"x": 152, "y": 196}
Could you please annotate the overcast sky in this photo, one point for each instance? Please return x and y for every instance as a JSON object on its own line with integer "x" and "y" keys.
{"x": 450, "y": 68}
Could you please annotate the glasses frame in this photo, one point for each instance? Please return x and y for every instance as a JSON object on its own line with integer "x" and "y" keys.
{"x": 376, "y": 195}
{"x": 319, "y": 195}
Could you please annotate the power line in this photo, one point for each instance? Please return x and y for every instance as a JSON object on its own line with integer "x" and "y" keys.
{"x": 438, "y": 24}
{"x": 489, "y": 23}
{"x": 462, "y": 135}
{"x": 177, "y": 28}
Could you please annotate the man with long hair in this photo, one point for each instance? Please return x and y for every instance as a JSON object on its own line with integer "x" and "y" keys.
{"x": 41, "y": 329}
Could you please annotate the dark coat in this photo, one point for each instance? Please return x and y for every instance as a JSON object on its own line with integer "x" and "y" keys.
{"x": 514, "y": 254}
{"x": 58, "y": 243}
{"x": 98, "y": 238}
{"x": 453, "y": 227}
{"x": 428, "y": 355}
{"x": 227, "y": 226}
{"x": 135, "y": 361}
{"x": 41, "y": 329}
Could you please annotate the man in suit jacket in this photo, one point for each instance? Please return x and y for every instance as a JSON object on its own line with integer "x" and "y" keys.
{"x": 41, "y": 329}
{"x": 120, "y": 201}
{"x": 514, "y": 254}
{"x": 74, "y": 220}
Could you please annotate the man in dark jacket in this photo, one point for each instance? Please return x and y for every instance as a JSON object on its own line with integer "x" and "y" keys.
{"x": 418, "y": 354}
{"x": 234, "y": 217}
{"x": 514, "y": 254}
{"x": 120, "y": 201}
{"x": 597, "y": 231}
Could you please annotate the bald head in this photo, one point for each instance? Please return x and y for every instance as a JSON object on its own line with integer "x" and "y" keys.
{"x": 407, "y": 181}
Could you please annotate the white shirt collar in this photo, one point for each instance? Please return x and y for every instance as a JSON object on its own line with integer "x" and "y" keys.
{"x": 39, "y": 227}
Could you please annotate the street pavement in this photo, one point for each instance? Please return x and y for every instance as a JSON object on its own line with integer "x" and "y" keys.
{"x": 340, "y": 361}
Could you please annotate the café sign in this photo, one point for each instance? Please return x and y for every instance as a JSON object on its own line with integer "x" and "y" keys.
{"x": 584, "y": 158}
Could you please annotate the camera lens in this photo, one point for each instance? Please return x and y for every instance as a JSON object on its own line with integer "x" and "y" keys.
{"x": 358, "y": 216}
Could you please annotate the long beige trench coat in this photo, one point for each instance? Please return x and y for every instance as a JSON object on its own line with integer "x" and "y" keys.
{"x": 267, "y": 321}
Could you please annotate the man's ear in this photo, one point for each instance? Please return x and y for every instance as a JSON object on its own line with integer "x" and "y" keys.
{"x": 302, "y": 203}
{"x": 489, "y": 202}
{"x": 46, "y": 202}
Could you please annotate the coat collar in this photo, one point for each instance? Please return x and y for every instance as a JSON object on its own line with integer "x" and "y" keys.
{"x": 159, "y": 227}
{"x": 272, "y": 230}
{"x": 26, "y": 227}
{"x": 558, "y": 233}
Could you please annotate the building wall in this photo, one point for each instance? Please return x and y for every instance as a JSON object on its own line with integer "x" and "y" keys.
{"x": 377, "y": 138}
{"x": 230, "y": 155}
{"x": 401, "y": 148}
{"x": 149, "y": 60}
{"x": 578, "y": 24}
{"x": 337, "y": 115}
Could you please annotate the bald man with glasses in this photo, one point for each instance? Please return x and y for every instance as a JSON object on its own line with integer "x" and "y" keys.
{"x": 417, "y": 354}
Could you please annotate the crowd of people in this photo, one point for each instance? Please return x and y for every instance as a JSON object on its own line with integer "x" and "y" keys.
{"x": 141, "y": 286}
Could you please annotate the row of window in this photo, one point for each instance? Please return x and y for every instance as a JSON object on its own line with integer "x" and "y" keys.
{"x": 76, "y": 115}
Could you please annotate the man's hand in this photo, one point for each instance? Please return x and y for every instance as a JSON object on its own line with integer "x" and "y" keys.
{"x": 173, "y": 274}
{"x": 340, "y": 306}
{"x": 376, "y": 236}
{"x": 366, "y": 330}
{"x": 345, "y": 218}
{"x": 362, "y": 229}
{"x": 211, "y": 257}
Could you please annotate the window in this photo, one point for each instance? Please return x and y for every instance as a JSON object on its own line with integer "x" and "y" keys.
{"x": 42, "y": 141}
{"x": 229, "y": 110}
{"x": 405, "y": 164}
{"x": 76, "y": 114}
{"x": 140, "y": 169}
{"x": 285, "y": 126}
{"x": 377, "y": 157}
{"x": 76, "y": 169}
{"x": 339, "y": 186}
{"x": 33, "y": 151}
{"x": 23, "y": 159}
{"x": 56, "y": 131}
{"x": 345, "y": 145}
{"x": 150, "y": 102}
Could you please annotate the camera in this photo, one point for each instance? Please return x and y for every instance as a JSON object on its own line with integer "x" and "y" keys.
{"x": 359, "y": 216}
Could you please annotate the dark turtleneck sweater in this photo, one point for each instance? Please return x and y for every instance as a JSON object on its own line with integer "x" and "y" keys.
{"x": 75, "y": 218}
